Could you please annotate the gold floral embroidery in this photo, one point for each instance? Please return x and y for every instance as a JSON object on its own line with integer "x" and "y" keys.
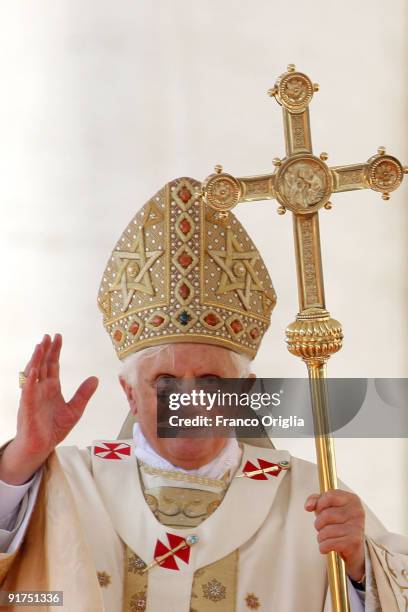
{"x": 252, "y": 601}
{"x": 214, "y": 590}
{"x": 136, "y": 564}
{"x": 135, "y": 583}
{"x": 138, "y": 602}
{"x": 104, "y": 579}
{"x": 218, "y": 579}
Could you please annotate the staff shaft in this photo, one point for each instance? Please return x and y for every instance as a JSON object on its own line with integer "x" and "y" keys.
{"x": 326, "y": 465}
{"x": 314, "y": 336}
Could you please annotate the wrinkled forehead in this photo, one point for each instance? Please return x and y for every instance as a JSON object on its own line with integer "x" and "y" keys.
{"x": 189, "y": 360}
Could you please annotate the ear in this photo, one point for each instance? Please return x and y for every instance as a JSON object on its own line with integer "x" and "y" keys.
{"x": 129, "y": 394}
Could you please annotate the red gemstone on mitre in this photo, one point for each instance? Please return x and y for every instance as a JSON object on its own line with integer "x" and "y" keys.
{"x": 185, "y": 260}
{"x": 211, "y": 319}
{"x": 185, "y": 226}
{"x": 134, "y": 328}
{"x": 184, "y": 291}
{"x": 157, "y": 321}
{"x": 184, "y": 194}
{"x": 236, "y": 326}
{"x": 254, "y": 333}
{"x": 118, "y": 335}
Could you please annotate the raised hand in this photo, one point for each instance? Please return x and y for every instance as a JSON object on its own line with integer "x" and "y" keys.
{"x": 44, "y": 418}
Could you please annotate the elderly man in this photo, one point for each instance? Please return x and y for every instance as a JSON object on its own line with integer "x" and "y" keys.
{"x": 169, "y": 524}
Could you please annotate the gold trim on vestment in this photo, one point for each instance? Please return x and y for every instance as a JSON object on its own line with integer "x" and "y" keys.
{"x": 182, "y": 476}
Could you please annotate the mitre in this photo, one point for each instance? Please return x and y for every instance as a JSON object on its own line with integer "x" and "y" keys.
{"x": 183, "y": 272}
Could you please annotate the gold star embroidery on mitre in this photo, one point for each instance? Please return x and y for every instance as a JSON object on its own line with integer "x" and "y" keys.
{"x": 238, "y": 273}
{"x": 105, "y": 305}
{"x": 268, "y": 303}
{"x": 152, "y": 214}
{"x": 134, "y": 263}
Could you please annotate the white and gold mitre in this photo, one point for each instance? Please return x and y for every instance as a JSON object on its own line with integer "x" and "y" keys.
{"x": 183, "y": 272}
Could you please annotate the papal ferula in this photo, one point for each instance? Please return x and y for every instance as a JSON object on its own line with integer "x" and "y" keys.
{"x": 178, "y": 524}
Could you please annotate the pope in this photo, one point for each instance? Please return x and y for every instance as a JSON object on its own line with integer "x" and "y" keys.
{"x": 178, "y": 524}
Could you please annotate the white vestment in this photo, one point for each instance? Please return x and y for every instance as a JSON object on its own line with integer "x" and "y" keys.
{"x": 92, "y": 506}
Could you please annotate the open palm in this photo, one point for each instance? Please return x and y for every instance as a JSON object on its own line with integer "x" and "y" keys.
{"x": 44, "y": 417}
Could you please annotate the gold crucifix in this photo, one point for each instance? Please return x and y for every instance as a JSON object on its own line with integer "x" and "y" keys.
{"x": 303, "y": 184}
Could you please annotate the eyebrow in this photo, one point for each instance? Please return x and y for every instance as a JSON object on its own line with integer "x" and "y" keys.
{"x": 204, "y": 375}
{"x": 164, "y": 374}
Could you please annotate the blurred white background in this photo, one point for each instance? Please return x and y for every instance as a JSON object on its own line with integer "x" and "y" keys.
{"x": 103, "y": 102}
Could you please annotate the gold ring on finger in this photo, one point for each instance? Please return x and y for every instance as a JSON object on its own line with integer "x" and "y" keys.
{"x": 22, "y": 379}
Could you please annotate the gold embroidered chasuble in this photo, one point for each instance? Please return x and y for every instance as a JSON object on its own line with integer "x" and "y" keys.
{"x": 92, "y": 523}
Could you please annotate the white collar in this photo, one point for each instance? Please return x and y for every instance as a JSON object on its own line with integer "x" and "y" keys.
{"x": 229, "y": 457}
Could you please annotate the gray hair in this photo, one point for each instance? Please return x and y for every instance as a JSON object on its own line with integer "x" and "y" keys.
{"x": 129, "y": 369}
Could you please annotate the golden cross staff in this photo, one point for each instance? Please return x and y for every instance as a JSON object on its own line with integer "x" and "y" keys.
{"x": 303, "y": 183}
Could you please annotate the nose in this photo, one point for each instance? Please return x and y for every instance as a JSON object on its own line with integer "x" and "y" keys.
{"x": 187, "y": 382}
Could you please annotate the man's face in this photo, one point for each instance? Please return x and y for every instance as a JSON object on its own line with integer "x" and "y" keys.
{"x": 179, "y": 361}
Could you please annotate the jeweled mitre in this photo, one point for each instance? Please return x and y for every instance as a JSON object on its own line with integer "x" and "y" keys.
{"x": 183, "y": 272}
